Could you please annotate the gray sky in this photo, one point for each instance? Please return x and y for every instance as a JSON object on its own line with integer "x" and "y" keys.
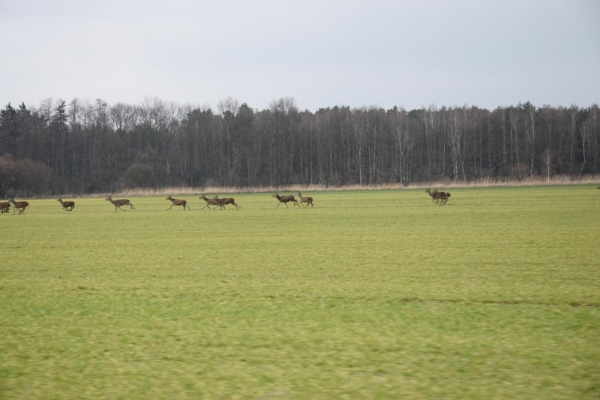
{"x": 323, "y": 53}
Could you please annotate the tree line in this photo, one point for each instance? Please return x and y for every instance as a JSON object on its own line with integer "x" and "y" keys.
{"x": 86, "y": 147}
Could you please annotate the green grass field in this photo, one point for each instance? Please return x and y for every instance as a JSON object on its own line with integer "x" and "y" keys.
{"x": 369, "y": 295}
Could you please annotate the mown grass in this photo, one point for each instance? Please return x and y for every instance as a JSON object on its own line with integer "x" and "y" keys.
{"x": 367, "y": 295}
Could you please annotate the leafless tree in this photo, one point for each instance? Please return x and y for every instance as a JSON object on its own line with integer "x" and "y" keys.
{"x": 547, "y": 158}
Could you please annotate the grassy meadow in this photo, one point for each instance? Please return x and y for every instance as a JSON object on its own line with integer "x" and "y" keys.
{"x": 368, "y": 295}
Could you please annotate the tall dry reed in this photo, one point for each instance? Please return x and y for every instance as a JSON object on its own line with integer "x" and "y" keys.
{"x": 483, "y": 182}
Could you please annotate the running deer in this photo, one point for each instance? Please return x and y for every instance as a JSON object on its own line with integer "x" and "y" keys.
{"x": 211, "y": 202}
{"x": 442, "y": 197}
{"x": 285, "y": 200}
{"x": 307, "y": 200}
{"x": 438, "y": 197}
{"x": 177, "y": 202}
{"x": 228, "y": 200}
{"x": 119, "y": 203}
{"x": 66, "y": 205}
{"x": 4, "y": 207}
{"x": 18, "y": 205}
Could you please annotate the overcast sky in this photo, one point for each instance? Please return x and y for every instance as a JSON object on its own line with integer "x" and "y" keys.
{"x": 322, "y": 53}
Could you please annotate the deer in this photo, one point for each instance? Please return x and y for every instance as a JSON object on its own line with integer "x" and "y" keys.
{"x": 4, "y": 207}
{"x": 66, "y": 205}
{"x": 285, "y": 200}
{"x": 177, "y": 202}
{"x": 211, "y": 202}
{"x": 18, "y": 205}
{"x": 119, "y": 203}
{"x": 228, "y": 200}
{"x": 438, "y": 197}
{"x": 307, "y": 200}
{"x": 441, "y": 197}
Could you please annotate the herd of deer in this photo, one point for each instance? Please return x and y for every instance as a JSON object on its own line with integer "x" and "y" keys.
{"x": 292, "y": 199}
{"x": 215, "y": 201}
{"x": 18, "y": 205}
{"x": 437, "y": 197}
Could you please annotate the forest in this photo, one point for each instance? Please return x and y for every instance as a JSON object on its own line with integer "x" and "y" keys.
{"x": 85, "y": 147}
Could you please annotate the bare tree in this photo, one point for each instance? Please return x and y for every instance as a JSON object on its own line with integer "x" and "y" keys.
{"x": 455, "y": 137}
{"x": 585, "y": 131}
{"x": 230, "y": 105}
{"x": 573, "y": 114}
{"x": 404, "y": 146}
{"x": 547, "y": 158}
{"x": 529, "y": 121}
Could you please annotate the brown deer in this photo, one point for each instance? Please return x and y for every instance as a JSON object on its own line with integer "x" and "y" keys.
{"x": 307, "y": 200}
{"x": 438, "y": 197}
{"x": 211, "y": 202}
{"x": 66, "y": 205}
{"x": 18, "y": 205}
{"x": 441, "y": 197}
{"x": 4, "y": 207}
{"x": 285, "y": 200}
{"x": 177, "y": 202}
{"x": 119, "y": 203}
{"x": 228, "y": 200}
